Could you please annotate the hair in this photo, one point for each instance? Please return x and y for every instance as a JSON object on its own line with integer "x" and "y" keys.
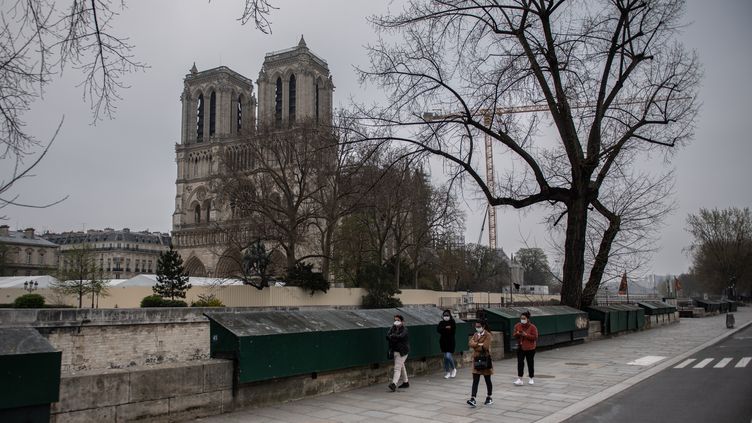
{"x": 526, "y": 314}
{"x": 447, "y": 312}
{"x": 399, "y": 316}
{"x": 483, "y": 324}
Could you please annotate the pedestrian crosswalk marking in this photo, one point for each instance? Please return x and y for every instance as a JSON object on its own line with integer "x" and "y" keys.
{"x": 743, "y": 362}
{"x": 721, "y": 364}
{"x": 703, "y": 363}
{"x": 685, "y": 363}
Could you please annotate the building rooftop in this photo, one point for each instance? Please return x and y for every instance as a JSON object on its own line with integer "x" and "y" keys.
{"x": 109, "y": 235}
{"x": 26, "y": 237}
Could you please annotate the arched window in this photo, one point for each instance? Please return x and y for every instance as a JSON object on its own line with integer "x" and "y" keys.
{"x": 212, "y": 113}
{"x": 291, "y": 98}
{"x": 208, "y": 210}
{"x": 200, "y": 118}
{"x": 197, "y": 214}
{"x": 278, "y": 104}
{"x": 317, "y": 102}
{"x": 239, "y": 114}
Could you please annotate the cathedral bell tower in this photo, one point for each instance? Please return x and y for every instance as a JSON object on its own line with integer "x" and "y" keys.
{"x": 294, "y": 86}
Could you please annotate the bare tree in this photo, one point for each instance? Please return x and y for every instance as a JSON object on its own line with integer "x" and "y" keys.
{"x": 39, "y": 39}
{"x": 609, "y": 77}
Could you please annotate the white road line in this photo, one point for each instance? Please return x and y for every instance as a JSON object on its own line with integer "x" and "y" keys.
{"x": 721, "y": 364}
{"x": 684, "y": 363}
{"x": 646, "y": 361}
{"x": 703, "y": 363}
{"x": 743, "y": 362}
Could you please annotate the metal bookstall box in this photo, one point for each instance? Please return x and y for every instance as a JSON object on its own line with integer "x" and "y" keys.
{"x": 710, "y": 306}
{"x": 653, "y": 308}
{"x": 275, "y": 344}
{"x": 617, "y": 318}
{"x": 29, "y": 375}
{"x": 556, "y": 324}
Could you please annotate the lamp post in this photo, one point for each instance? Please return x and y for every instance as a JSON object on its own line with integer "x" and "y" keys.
{"x": 31, "y": 286}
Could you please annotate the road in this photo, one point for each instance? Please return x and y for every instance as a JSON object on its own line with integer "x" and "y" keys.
{"x": 713, "y": 385}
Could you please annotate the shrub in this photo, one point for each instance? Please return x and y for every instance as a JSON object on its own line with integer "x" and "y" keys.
{"x": 157, "y": 301}
{"x": 302, "y": 275}
{"x": 29, "y": 301}
{"x": 207, "y": 301}
{"x": 152, "y": 301}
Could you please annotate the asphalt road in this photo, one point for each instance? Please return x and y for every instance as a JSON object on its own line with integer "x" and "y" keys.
{"x": 715, "y": 386}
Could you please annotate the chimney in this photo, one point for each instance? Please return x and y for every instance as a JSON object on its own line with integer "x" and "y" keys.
{"x": 4, "y": 230}
{"x": 29, "y": 233}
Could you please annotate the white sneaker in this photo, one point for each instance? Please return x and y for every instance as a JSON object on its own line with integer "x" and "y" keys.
{"x": 446, "y": 375}
{"x": 518, "y": 382}
{"x": 453, "y": 373}
{"x": 531, "y": 382}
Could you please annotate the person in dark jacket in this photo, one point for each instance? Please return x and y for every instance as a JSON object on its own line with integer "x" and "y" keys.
{"x": 447, "y": 329}
{"x": 399, "y": 346}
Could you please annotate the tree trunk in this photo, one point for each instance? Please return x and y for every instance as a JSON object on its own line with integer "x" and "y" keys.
{"x": 601, "y": 260}
{"x": 574, "y": 251}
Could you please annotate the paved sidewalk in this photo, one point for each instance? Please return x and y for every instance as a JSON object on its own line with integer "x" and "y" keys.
{"x": 568, "y": 380}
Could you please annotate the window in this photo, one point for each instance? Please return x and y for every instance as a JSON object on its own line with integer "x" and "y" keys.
{"x": 127, "y": 265}
{"x": 28, "y": 257}
{"x": 109, "y": 264}
{"x": 149, "y": 266}
{"x": 212, "y": 113}
{"x": 197, "y": 214}
{"x": 200, "y": 118}
{"x": 278, "y": 104}
{"x": 208, "y": 210}
{"x": 239, "y": 114}
{"x": 317, "y": 102}
{"x": 138, "y": 265}
{"x": 41, "y": 257}
{"x": 291, "y": 98}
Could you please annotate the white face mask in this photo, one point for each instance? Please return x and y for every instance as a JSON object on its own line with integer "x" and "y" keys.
{"x": 523, "y": 321}
{"x": 479, "y": 330}
{"x": 446, "y": 318}
{"x": 397, "y": 323}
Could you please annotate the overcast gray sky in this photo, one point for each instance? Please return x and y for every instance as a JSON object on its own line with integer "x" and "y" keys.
{"x": 121, "y": 172}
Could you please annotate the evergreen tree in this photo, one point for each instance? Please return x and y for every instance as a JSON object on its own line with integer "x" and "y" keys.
{"x": 172, "y": 281}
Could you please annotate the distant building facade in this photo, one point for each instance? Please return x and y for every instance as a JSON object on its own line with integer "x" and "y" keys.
{"x": 219, "y": 123}
{"x": 121, "y": 254}
{"x": 24, "y": 253}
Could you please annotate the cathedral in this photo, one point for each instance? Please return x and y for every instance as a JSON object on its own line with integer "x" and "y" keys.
{"x": 219, "y": 120}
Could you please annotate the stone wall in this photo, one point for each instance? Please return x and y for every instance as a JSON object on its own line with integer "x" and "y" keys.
{"x": 185, "y": 391}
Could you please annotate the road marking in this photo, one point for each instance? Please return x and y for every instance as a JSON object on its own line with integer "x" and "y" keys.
{"x": 646, "y": 361}
{"x": 703, "y": 363}
{"x": 743, "y": 362}
{"x": 684, "y": 363}
{"x": 721, "y": 364}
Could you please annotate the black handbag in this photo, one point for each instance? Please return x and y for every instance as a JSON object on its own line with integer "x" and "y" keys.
{"x": 483, "y": 362}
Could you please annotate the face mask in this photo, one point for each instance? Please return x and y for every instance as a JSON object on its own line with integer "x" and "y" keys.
{"x": 446, "y": 318}
{"x": 479, "y": 330}
{"x": 397, "y": 323}
{"x": 523, "y": 321}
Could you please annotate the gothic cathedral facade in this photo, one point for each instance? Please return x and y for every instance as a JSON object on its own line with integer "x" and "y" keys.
{"x": 220, "y": 119}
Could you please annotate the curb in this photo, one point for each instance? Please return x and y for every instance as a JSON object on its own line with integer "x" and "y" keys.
{"x": 596, "y": 399}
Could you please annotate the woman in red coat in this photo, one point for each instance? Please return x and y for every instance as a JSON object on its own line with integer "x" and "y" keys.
{"x": 526, "y": 334}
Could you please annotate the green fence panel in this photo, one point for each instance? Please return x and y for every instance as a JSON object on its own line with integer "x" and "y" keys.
{"x": 275, "y": 344}
{"x": 29, "y": 375}
{"x": 556, "y": 324}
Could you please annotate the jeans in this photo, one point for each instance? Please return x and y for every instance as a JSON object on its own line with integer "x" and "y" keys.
{"x": 448, "y": 362}
{"x": 476, "y": 381}
{"x": 399, "y": 367}
{"x": 523, "y": 356}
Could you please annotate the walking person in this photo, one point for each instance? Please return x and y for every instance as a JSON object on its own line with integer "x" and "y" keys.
{"x": 527, "y": 335}
{"x": 447, "y": 328}
{"x": 480, "y": 343}
{"x": 399, "y": 346}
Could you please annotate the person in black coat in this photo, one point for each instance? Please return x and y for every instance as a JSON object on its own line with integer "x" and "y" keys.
{"x": 399, "y": 346}
{"x": 447, "y": 329}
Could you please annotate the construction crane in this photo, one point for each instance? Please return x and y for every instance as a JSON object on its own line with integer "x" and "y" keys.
{"x": 488, "y": 115}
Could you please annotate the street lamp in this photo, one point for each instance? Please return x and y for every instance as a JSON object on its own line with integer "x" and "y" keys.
{"x": 31, "y": 286}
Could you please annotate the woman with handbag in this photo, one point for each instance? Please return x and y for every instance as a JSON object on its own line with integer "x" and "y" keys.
{"x": 527, "y": 335}
{"x": 480, "y": 343}
{"x": 447, "y": 329}
{"x": 399, "y": 347}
